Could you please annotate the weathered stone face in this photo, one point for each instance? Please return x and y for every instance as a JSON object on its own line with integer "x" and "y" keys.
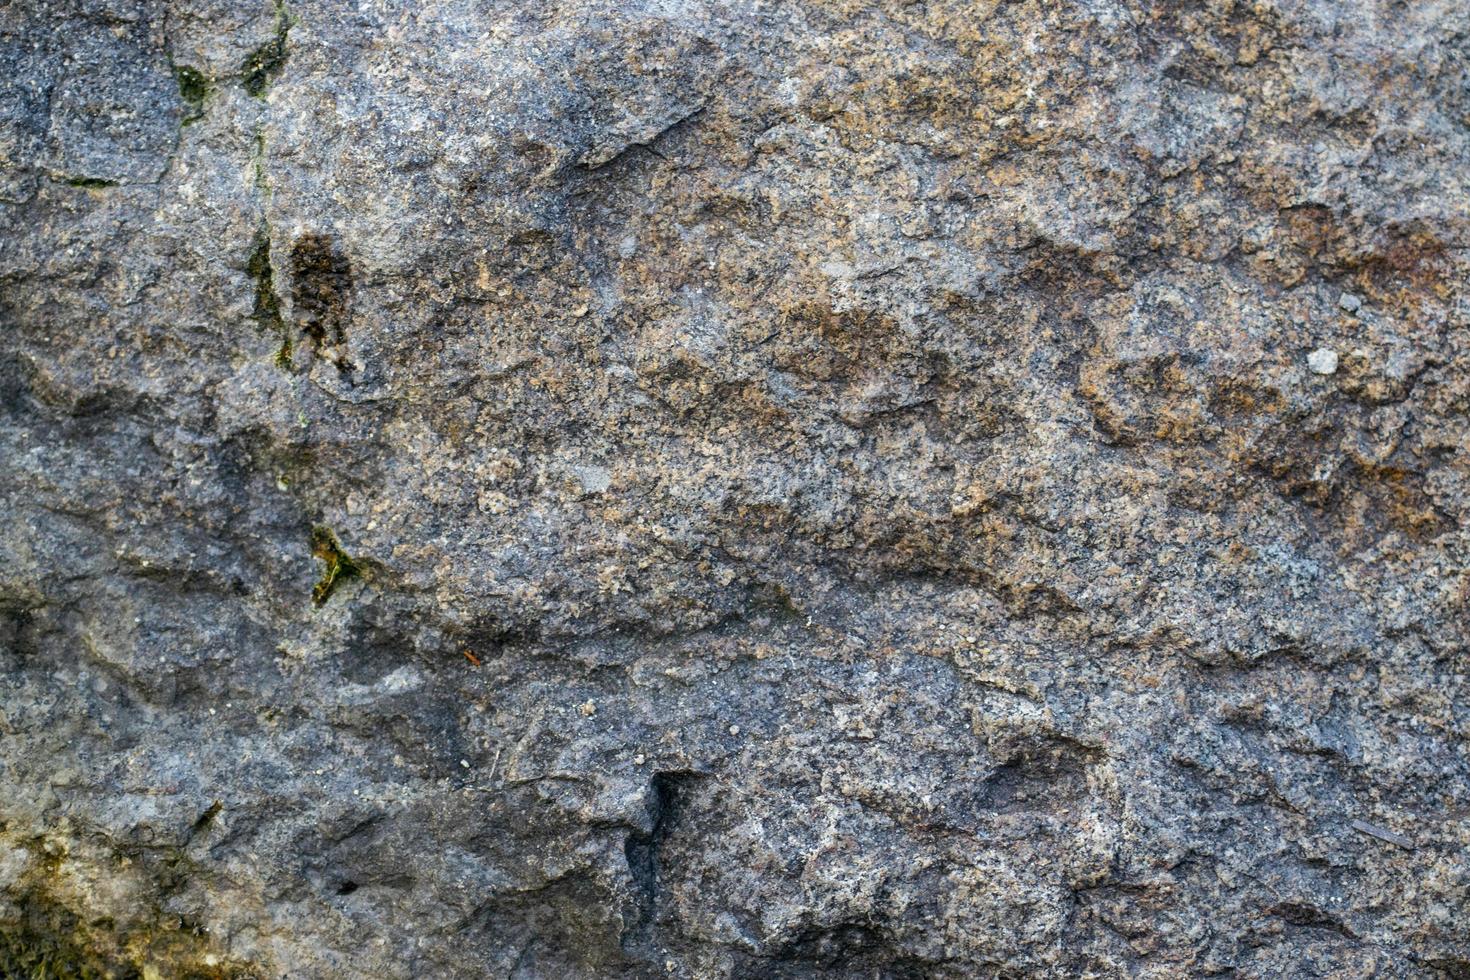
{"x": 682, "y": 489}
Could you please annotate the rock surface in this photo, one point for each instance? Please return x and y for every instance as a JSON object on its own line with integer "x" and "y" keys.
{"x": 673, "y": 488}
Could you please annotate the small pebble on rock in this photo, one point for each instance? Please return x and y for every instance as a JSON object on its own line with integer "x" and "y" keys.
{"x": 1323, "y": 360}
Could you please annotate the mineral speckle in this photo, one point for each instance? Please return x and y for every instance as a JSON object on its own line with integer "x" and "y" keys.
{"x": 1323, "y": 360}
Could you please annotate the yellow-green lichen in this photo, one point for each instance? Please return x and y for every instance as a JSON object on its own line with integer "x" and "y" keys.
{"x": 48, "y": 933}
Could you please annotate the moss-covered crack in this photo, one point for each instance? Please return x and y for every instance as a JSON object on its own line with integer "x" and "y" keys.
{"x": 267, "y": 309}
{"x": 337, "y": 565}
{"x": 263, "y": 64}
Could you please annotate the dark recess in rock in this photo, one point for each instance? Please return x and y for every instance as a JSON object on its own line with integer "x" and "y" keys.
{"x": 322, "y": 292}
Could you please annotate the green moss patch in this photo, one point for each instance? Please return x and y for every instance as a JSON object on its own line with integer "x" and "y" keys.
{"x": 264, "y": 63}
{"x": 193, "y": 89}
{"x": 44, "y": 935}
{"x": 267, "y": 310}
{"x": 337, "y": 565}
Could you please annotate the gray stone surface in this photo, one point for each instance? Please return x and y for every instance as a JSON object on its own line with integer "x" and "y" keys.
{"x": 842, "y": 488}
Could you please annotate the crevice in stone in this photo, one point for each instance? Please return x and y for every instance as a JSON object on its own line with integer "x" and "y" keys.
{"x": 666, "y": 795}
{"x": 265, "y": 63}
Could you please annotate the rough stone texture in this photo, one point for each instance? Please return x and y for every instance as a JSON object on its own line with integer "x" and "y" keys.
{"x": 671, "y": 488}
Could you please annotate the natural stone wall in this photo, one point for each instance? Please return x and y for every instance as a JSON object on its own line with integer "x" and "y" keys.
{"x": 789, "y": 489}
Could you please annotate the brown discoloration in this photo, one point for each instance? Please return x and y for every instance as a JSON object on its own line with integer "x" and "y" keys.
{"x": 321, "y": 277}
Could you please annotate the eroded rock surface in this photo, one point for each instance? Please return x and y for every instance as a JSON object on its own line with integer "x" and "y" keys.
{"x": 839, "y": 488}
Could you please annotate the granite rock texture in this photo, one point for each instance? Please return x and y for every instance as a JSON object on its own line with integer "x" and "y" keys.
{"x": 693, "y": 489}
